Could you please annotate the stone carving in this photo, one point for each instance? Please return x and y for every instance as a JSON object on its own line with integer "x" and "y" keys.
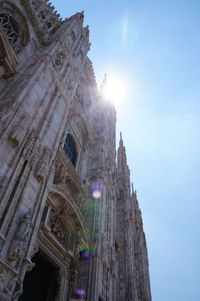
{"x": 7, "y": 280}
{"x": 56, "y": 225}
{"x": 43, "y": 16}
{"x": 28, "y": 265}
{"x": 43, "y": 163}
{"x": 8, "y": 58}
{"x": 7, "y": 111}
{"x": 73, "y": 275}
{"x": 18, "y": 290}
{"x": 59, "y": 57}
{"x": 18, "y": 244}
{"x": 17, "y": 132}
{"x": 80, "y": 96}
{"x": 31, "y": 146}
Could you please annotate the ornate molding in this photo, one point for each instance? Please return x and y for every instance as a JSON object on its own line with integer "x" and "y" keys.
{"x": 56, "y": 225}
{"x": 43, "y": 17}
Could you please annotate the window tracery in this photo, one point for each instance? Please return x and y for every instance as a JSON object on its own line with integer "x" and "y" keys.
{"x": 14, "y": 25}
{"x": 10, "y": 26}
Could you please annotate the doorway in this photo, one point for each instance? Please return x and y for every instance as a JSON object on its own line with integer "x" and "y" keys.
{"x": 41, "y": 283}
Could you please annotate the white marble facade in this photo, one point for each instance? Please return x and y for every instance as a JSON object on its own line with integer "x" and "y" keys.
{"x": 69, "y": 225}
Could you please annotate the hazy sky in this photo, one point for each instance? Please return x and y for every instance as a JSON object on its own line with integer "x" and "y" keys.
{"x": 154, "y": 46}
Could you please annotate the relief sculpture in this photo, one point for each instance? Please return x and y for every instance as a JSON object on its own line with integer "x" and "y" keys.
{"x": 57, "y": 228}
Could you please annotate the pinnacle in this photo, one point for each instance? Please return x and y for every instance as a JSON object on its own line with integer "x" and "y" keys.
{"x": 132, "y": 188}
{"x": 121, "y": 140}
{"x": 104, "y": 82}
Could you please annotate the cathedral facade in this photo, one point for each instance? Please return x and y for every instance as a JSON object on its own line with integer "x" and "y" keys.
{"x": 70, "y": 224}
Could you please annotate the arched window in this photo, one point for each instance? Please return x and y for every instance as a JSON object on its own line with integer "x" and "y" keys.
{"x": 14, "y": 25}
{"x": 70, "y": 149}
{"x": 10, "y": 26}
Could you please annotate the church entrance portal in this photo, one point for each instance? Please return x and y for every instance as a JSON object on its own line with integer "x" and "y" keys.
{"x": 41, "y": 283}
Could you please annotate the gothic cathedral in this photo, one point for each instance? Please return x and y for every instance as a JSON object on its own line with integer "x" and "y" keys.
{"x": 70, "y": 224}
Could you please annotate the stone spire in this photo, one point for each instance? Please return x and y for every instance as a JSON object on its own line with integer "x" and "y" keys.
{"x": 141, "y": 253}
{"x": 126, "y": 266}
{"x": 121, "y": 152}
{"x": 123, "y": 171}
{"x": 104, "y": 82}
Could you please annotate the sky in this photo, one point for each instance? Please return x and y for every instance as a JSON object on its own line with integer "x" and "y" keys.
{"x": 154, "y": 47}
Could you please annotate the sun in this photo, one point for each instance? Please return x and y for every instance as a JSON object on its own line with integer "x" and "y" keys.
{"x": 114, "y": 90}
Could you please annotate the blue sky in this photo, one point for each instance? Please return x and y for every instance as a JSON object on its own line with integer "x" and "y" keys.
{"x": 154, "y": 46}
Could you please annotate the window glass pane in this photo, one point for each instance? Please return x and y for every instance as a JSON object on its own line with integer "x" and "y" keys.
{"x": 70, "y": 149}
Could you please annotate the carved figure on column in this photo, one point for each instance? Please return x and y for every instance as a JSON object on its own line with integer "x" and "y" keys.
{"x": 18, "y": 244}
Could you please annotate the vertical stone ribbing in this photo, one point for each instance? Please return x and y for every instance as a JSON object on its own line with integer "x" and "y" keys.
{"x": 133, "y": 273}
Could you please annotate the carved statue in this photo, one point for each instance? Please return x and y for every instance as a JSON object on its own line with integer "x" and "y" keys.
{"x": 24, "y": 227}
{"x": 19, "y": 242}
{"x": 8, "y": 58}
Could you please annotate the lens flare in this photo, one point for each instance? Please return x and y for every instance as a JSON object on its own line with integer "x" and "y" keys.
{"x": 79, "y": 293}
{"x": 86, "y": 253}
{"x": 97, "y": 189}
{"x": 97, "y": 194}
{"x": 114, "y": 90}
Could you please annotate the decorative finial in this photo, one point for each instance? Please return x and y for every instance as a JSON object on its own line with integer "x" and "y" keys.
{"x": 132, "y": 188}
{"x": 104, "y": 82}
{"x": 121, "y": 140}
